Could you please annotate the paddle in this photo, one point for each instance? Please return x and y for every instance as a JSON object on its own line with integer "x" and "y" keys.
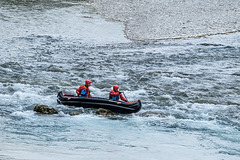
{"x": 125, "y": 96}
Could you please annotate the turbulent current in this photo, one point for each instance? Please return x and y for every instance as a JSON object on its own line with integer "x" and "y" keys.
{"x": 189, "y": 88}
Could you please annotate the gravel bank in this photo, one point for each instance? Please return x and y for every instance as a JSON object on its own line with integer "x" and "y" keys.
{"x": 167, "y": 19}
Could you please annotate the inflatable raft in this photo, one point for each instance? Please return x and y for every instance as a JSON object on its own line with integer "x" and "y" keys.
{"x": 96, "y": 102}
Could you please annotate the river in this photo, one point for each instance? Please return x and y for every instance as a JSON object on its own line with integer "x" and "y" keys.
{"x": 189, "y": 88}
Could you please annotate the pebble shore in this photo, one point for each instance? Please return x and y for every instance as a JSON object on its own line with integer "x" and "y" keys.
{"x": 171, "y": 19}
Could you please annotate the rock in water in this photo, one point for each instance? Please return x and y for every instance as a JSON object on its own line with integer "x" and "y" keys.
{"x": 74, "y": 113}
{"x": 44, "y": 109}
{"x": 150, "y": 113}
{"x": 105, "y": 112}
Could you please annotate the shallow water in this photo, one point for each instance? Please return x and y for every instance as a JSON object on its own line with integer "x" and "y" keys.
{"x": 189, "y": 88}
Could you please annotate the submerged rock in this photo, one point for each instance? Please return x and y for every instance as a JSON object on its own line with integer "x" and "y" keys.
{"x": 74, "y": 113}
{"x": 105, "y": 112}
{"x": 149, "y": 114}
{"x": 44, "y": 109}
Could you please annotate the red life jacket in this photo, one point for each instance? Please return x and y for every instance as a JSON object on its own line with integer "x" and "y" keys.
{"x": 81, "y": 88}
{"x": 116, "y": 96}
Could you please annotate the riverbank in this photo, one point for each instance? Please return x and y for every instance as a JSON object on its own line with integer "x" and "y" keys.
{"x": 160, "y": 19}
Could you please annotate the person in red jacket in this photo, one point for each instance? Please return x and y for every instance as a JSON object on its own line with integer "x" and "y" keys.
{"x": 116, "y": 95}
{"x": 83, "y": 90}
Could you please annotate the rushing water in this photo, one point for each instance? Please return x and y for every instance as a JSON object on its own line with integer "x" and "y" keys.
{"x": 189, "y": 88}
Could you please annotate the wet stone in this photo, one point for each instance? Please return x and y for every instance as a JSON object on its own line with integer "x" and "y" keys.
{"x": 149, "y": 114}
{"x": 74, "y": 113}
{"x": 105, "y": 112}
{"x": 44, "y": 109}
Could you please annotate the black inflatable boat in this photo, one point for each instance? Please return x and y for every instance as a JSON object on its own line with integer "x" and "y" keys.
{"x": 95, "y": 102}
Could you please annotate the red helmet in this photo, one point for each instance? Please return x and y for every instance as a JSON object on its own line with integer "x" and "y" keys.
{"x": 87, "y": 82}
{"x": 115, "y": 87}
